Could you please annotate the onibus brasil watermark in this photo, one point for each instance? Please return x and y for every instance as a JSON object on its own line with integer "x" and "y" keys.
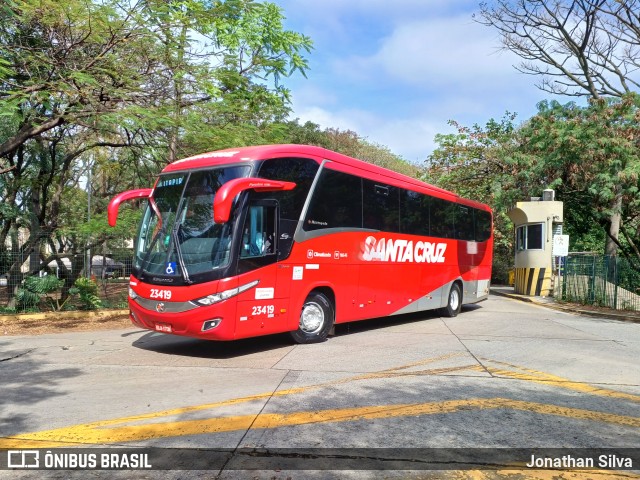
{"x": 69, "y": 460}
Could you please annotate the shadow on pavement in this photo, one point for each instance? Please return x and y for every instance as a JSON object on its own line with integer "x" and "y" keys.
{"x": 26, "y": 380}
{"x": 192, "y": 347}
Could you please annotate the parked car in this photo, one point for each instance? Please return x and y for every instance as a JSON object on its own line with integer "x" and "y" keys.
{"x": 106, "y": 267}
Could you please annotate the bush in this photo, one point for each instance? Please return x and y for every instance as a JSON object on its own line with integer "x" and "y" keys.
{"x": 87, "y": 291}
{"x": 501, "y": 266}
{"x": 35, "y": 290}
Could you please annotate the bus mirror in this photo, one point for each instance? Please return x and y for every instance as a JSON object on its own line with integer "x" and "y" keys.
{"x": 114, "y": 204}
{"x": 225, "y": 194}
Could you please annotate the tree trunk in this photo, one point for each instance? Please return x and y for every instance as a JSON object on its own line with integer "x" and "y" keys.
{"x": 611, "y": 248}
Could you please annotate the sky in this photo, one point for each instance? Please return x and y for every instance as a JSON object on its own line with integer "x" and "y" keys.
{"x": 397, "y": 71}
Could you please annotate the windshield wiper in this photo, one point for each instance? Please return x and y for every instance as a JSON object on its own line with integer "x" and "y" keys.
{"x": 176, "y": 244}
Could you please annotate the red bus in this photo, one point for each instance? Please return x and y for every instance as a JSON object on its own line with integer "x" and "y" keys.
{"x": 291, "y": 238}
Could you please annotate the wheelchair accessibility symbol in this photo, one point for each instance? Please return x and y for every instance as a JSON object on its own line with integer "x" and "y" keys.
{"x": 170, "y": 268}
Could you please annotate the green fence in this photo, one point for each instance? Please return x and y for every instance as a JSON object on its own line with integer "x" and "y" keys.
{"x": 600, "y": 280}
{"x": 62, "y": 284}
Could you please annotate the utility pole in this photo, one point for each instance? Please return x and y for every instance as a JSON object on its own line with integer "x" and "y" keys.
{"x": 88, "y": 262}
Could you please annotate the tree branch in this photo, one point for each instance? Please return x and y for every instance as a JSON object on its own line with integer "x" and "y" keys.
{"x": 27, "y": 132}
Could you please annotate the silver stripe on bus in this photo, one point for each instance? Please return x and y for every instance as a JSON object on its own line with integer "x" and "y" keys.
{"x": 169, "y": 307}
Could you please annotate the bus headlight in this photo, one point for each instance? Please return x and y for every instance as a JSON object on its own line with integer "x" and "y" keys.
{"x": 219, "y": 297}
{"x": 133, "y": 295}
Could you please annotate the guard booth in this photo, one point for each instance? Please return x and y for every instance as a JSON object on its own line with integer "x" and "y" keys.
{"x": 537, "y": 222}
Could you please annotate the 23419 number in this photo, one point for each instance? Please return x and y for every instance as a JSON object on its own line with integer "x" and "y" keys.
{"x": 161, "y": 294}
{"x": 263, "y": 310}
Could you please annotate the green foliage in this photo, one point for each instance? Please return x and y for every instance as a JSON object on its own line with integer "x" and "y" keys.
{"x": 42, "y": 285}
{"x": 87, "y": 291}
{"x": 346, "y": 142}
{"x": 26, "y": 300}
{"x": 589, "y": 155}
{"x": 112, "y": 91}
{"x": 35, "y": 290}
{"x": 224, "y": 89}
{"x": 476, "y": 161}
{"x": 38, "y": 293}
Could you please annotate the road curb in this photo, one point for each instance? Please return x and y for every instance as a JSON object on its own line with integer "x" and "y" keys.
{"x": 22, "y": 317}
{"x": 627, "y": 317}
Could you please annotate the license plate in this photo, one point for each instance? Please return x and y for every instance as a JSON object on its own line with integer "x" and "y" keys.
{"x": 163, "y": 327}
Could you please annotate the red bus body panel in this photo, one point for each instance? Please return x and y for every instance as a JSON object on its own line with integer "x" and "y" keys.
{"x": 413, "y": 274}
{"x": 362, "y": 289}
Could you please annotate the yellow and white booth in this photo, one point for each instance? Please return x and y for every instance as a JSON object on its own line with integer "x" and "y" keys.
{"x": 536, "y": 223}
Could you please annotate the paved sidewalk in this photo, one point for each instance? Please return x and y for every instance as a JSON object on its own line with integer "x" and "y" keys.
{"x": 550, "y": 302}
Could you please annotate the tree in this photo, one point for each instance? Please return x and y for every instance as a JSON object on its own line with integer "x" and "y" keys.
{"x": 348, "y": 143}
{"x": 69, "y": 63}
{"x": 584, "y": 48}
{"x": 577, "y": 47}
{"x": 590, "y": 155}
{"x": 111, "y": 92}
{"x": 475, "y": 161}
{"x": 223, "y": 72}
{"x": 80, "y": 63}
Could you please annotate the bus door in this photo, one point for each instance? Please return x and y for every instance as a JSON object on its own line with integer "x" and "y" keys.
{"x": 266, "y": 310}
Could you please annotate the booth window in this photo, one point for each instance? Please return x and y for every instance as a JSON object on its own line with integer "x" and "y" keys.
{"x": 529, "y": 237}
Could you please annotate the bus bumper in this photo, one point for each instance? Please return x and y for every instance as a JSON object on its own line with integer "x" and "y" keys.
{"x": 216, "y": 322}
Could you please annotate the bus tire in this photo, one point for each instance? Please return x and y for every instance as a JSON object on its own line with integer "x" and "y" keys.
{"x": 454, "y": 302}
{"x": 316, "y": 319}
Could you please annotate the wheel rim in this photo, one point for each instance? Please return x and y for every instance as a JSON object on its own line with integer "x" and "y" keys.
{"x": 454, "y": 300}
{"x": 311, "y": 318}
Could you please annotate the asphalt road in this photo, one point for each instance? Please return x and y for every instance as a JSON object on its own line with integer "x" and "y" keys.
{"x": 503, "y": 374}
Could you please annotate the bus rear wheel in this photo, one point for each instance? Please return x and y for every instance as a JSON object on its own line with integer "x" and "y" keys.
{"x": 316, "y": 319}
{"x": 454, "y": 302}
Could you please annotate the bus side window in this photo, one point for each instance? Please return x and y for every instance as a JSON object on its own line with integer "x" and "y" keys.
{"x": 442, "y": 218}
{"x": 464, "y": 223}
{"x": 336, "y": 202}
{"x": 259, "y": 232}
{"x": 483, "y": 226}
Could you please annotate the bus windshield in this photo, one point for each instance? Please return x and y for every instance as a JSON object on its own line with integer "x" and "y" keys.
{"x": 178, "y": 236}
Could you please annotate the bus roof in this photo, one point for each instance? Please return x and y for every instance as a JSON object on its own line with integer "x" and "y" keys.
{"x": 348, "y": 165}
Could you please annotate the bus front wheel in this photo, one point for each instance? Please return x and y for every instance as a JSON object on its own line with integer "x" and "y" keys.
{"x": 454, "y": 301}
{"x": 316, "y": 319}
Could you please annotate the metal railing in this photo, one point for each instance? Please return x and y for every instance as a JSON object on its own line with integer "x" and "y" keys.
{"x": 599, "y": 280}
